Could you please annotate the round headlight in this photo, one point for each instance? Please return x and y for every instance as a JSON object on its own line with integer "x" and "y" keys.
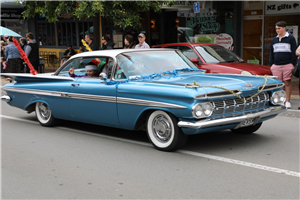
{"x": 202, "y": 110}
{"x": 208, "y": 109}
{"x": 278, "y": 97}
{"x": 198, "y": 110}
{"x": 245, "y": 73}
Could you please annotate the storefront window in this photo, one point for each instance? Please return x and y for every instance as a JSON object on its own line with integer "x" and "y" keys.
{"x": 66, "y": 32}
{"x": 215, "y": 17}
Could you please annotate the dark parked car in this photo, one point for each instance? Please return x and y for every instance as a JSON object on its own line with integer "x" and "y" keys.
{"x": 216, "y": 59}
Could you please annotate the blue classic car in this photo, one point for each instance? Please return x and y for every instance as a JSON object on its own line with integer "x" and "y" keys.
{"x": 157, "y": 90}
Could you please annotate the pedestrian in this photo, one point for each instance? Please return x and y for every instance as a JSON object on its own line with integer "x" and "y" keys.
{"x": 89, "y": 39}
{"x": 5, "y": 38}
{"x": 68, "y": 53}
{"x": 2, "y": 48}
{"x": 32, "y": 51}
{"x": 107, "y": 43}
{"x": 129, "y": 44}
{"x": 23, "y": 44}
{"x": 282, "y": 57}
{"x": 14, "y": 62}
{"x": 142, "y": 44}
{"x": 3, "y": 65}
{"x": 298, "y": 54}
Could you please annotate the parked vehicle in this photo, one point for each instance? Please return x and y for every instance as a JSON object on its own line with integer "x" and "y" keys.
{"x": 216, "y": 59}
{"x": 158, "y": 90}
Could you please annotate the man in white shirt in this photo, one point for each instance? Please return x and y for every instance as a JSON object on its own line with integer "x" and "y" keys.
{"x": 142, "y": 44}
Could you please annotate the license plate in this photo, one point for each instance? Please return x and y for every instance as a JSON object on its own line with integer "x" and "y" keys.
{"x": 248, "y": 122}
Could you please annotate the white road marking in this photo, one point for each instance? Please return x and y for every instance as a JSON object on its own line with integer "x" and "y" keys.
{"x": 222, "y": 159}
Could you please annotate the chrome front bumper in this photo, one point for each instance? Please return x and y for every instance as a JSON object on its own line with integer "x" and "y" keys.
{"x": 232, "y": 120}
{"x": 6, "y": 98}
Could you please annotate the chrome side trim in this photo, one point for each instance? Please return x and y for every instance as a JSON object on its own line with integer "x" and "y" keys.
{"x": 6, "y": 98}
{"x": 90, "y": 97}
{"x": 231, "y": 120}
{"x": 30, "y": 91}
{"x": 140, "y": 102}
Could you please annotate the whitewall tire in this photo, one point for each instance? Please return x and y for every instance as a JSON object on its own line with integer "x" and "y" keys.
{"x": 44, "y": 114}
{"x": 163, "y": 131}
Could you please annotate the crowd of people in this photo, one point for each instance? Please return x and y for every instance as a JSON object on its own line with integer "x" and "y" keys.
{"x": 11, "y": 61}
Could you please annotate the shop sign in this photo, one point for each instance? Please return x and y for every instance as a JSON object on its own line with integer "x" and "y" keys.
{"x": 9, "y": 13}
{"x": 208, "y": 23}
{"x": 224, "y": 40}
{"x": 282, "y": 7}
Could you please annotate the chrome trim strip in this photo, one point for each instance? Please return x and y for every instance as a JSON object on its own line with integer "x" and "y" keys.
{"x": 90, "y": 97}
{"x": 140, "y": 102}
{"x": 6, "y": 98}
{"x": 271, "y": 86}
{"x": 30, "y": 91}
{"x": 209, "y": 95}
{"x": 225, "y": 121}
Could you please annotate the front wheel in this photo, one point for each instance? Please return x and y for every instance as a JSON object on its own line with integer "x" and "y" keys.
{"x": 248, "y": 129}
{"x": 44, "y": 114}
{"x": 163, "y": 131}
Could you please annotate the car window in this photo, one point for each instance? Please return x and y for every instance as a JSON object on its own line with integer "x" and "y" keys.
{"x": 140, "y": 64}
{"x": 217, "y": 54}
{"x": 79, "y": 65}
{"x": 189, "y": 52}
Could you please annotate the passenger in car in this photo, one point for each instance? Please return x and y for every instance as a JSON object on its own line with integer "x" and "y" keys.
{"x": 91, "y": 71}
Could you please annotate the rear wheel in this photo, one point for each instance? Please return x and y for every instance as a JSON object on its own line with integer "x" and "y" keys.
{"x": 44, "y": 114}
{"x": 248, "y": 129}
{"x": 163, "y": 131}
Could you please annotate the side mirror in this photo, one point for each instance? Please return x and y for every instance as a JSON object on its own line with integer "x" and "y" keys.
{"x": 102, "y": 76}
{"x": 194, "y": 60}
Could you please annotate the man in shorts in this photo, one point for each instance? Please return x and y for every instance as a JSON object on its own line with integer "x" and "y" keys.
{"x": 282, "y": 58}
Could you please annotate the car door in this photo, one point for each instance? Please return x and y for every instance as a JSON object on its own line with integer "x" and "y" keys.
{"x": 90, "y": 99}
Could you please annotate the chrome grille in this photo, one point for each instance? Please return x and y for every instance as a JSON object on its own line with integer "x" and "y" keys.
{"x": 238, "y": 105}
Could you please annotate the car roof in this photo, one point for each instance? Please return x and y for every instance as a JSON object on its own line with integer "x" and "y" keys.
{"x": 187, "y": 44}
{"x": 113, "y": 52}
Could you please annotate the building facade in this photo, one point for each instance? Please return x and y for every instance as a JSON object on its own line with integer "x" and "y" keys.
{"x": 244, "y": 27}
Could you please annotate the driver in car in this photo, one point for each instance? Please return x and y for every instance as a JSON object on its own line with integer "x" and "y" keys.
{"x": 91, "y": 71}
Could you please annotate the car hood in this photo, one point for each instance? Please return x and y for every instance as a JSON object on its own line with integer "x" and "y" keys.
{"x": 253, "y": 68}
{"x": 209, "y": 81}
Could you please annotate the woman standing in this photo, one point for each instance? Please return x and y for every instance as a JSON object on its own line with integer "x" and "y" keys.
{"x": 13, "y": 58}
{"x": 129, "y": 44}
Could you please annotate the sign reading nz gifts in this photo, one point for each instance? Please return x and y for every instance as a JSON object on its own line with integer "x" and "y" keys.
{"x": 282, "y": 7}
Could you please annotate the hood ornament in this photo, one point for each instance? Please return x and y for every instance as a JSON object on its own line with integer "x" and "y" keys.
{"x": 249, "y": 85}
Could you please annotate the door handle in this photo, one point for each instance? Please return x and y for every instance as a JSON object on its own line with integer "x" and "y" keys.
{"x": 74, "y": 84}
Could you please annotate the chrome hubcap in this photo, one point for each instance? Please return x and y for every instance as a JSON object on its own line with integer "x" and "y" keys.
{"x": 44, "y": 111}
{"x": 162, "y": 128}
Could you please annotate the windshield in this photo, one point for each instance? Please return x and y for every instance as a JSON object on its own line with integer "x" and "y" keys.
{"x": 217, "y": 54}
{"x": 142, "y": 64}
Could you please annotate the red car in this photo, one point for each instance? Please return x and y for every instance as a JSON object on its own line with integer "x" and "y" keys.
{"x": 216, "y": 59}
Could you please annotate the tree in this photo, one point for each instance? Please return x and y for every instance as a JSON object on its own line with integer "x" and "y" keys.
{"x": 120, "y": 13}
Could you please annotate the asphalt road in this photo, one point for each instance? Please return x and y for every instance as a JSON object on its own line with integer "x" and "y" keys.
{"x": 82, "y": 161}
